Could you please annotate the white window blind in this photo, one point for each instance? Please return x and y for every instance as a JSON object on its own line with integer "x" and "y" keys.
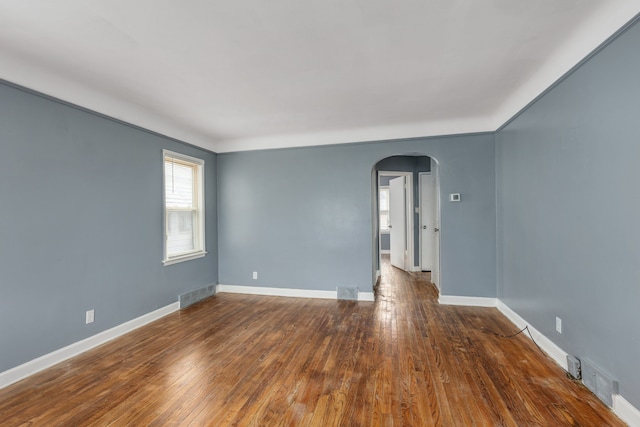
{"x": 183, "y": 203}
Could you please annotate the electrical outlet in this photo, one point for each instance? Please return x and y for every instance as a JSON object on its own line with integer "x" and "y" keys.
{"x": 558, "y": 325}
{"x": 89, "y": 316}
{"x": 255, "y": 275}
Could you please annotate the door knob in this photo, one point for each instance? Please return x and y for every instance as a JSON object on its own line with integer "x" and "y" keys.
{"x": 424, "y": 227}
{"x": 436, "y": 229}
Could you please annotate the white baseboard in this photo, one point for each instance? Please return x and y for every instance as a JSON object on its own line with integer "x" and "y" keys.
{"x": 43, "y": 362}
{"x": 621, "y": 407}
{"x": 469, "y": 301}
{"x": 366, "y": 296}
{"x": 287, "y": 292}
{"x": 549, "y": 347}
{"x": 626, "y": 411}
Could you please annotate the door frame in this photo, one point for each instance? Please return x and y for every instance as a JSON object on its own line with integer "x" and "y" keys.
{"x": 435, "y": 170}
{"x": 420, "y": 214}
{"x": 435, "y": 276}
{"x": 408, "y": 212}
{"x": 435, "y": 271}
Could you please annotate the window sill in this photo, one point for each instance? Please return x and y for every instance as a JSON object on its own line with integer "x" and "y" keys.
{"x": 182, "y": 258}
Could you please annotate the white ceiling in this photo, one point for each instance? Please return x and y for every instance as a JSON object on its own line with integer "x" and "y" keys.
{"x": 231, "y": 75}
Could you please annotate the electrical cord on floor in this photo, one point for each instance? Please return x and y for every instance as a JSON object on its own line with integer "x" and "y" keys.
{"x": 526, "y": 328}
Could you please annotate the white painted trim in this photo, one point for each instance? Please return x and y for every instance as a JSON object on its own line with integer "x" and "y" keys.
{"x": 468, "y": 301}
{"x": 436, "y": 272}
{"x": 549, "y": 347}
{"x": 420, "y": 219}
{"x": 408, "y": 210}
{"x": 183, "y": 258}
{"x": 200, "y": 241}
{"x": 276, "y": 292}
{"x": 287, "y": 292}
{"x": 384, "y": 252}
{"x": 43, "y": 362}
{"x": 366, "y": 296}
{"x": 410, "y": 227}
{"x": 622, "y": 408}
{"x": 626, "y": 411}
{"x": 366, "y": 134}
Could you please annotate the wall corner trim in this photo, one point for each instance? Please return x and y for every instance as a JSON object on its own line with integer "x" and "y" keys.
{"x": 468, "y": 301}
{"x": 287, "y": 292}
{"x": 41, "y": 363}
{"x": 625, "y": 410}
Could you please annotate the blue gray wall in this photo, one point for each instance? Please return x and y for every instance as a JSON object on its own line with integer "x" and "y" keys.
{"x": 385, "y": 241}
{"x": 568, "y": 211}
{"x": 384, "y": 180}
{"x": 81, "y": 225}
{"x": 302, "y": 217}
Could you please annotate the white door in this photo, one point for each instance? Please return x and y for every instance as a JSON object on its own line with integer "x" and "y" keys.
{"x": 397, "y": 222}
{"x": 435, "y": 272}
{"x": 427, "y": 222}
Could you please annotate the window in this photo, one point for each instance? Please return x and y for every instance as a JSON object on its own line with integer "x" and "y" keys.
{"x": 183, "y": 208}
{"x": 384, "y": 208}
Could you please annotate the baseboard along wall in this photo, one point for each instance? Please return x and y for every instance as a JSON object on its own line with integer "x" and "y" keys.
{"x": 622, "y": 408}
{"x": 625, "y": 410}
{"x": 287, "y": 292}
{"x": 43, "y": 362}
{"x": 468, "y": 301}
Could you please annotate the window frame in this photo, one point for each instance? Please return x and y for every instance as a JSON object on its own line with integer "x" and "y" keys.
{"x": 199, "y": 201}
{"x": 387, "y": 230}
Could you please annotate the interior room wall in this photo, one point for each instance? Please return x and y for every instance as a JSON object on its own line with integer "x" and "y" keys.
{"x": 302, "y": 217}
{"x": 568, "y": 209}
{"x": 82, "y": 225}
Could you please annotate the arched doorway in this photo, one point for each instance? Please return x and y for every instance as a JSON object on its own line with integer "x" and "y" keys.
{"x": 414, "y": 228}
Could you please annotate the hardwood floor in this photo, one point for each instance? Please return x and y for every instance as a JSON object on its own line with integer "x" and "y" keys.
{"x": 267, "y": 361}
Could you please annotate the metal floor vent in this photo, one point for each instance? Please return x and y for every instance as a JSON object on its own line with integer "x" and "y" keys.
{"x": 598, "y": 382}
{"x": 347, "y": 293}
{"x": 194, "y": 296}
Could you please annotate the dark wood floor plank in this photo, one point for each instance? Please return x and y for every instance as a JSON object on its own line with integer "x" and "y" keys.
{"x": 247, "y": 360}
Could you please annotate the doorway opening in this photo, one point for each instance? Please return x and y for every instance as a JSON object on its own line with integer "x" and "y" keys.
{"x": 407, "y": 215}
